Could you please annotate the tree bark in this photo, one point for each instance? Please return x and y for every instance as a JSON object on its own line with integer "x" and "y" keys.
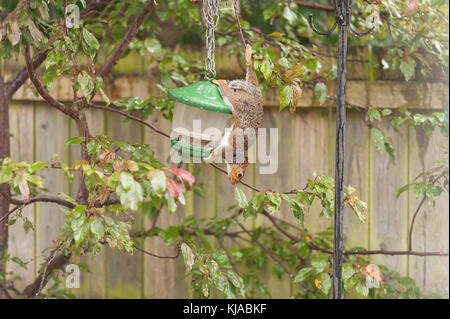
{"x": 4, "y": 188}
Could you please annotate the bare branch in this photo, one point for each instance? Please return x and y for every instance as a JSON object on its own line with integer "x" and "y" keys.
{"x": 411, "y": 227}
{"x": 312, "y": 5}
{"x": 134, "y": 118}
{"x": 157, "y": 256}
{"x": 38, "y": 85}
{"x": 22, "y": 76}
{"x": 123, "y": 45}
{"x": 44, "y": 198}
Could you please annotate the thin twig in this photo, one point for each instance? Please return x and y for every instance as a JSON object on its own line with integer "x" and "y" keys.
{"x": 134, "y": 118}
{"x": 157, "y": 256}
{"x": 49, "y": 260}
{"x": 411, "y": 227}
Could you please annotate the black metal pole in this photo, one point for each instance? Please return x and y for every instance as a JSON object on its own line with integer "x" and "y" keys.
{"x": 342, "y": 9}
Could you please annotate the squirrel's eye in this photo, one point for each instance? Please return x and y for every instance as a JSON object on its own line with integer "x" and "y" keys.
{"x": 239, "y": 175}
{"x": 234, "y": 90}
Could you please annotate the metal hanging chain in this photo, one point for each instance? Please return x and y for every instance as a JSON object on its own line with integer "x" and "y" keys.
{"x": 210, "y": 14}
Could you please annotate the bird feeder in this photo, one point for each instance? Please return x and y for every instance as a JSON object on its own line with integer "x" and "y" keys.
{"x": 198, "y": 101}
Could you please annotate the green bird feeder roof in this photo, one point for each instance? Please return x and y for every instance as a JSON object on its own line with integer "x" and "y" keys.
{"x": 203, "y": 94}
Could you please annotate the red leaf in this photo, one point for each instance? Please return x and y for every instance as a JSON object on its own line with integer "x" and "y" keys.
{"x": 23, "y": 187}
{"x": 185, "y": 175}
{"x": 372, "y": 271}
{"x": 175, "y": 187}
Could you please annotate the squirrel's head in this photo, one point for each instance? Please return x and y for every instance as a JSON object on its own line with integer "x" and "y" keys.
{"x": 236, "y": 171}
{"x": 235, "y": 90}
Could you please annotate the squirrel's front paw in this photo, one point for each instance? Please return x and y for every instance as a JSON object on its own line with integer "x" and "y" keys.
{"x": 209, "y": 159}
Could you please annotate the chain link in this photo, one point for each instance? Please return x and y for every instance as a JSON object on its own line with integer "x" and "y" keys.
{"x": 210, "y": 14}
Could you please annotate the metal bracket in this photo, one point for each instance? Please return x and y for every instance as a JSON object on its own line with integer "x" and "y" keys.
{"x": 343, "y": 18}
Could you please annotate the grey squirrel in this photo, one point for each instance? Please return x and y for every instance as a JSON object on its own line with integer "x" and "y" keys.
{"x": 246, "y": 103}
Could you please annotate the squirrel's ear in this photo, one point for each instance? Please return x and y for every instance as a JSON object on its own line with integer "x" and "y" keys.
{"x": 245, "y": 163}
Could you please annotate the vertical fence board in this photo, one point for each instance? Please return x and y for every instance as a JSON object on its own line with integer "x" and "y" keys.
{"x": 128, "y": 283}
{"x": 356, "y": 174}
{"x": 312, "y": 149}
{"x": 430, "y": 232}
{"x": 161, "y": 276}
{"x": 279, "y": 182}
{"x": 21, "y": 242}
{"x": 389, "y": 214}
{"x": 49, "y": 216}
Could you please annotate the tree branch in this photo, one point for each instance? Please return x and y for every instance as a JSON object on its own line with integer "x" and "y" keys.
{"x": 123, "y": 45}
{"x": 22, "y": 76}
{"x": 311, "y": 5}
{"x": 353, "y": 252}
{"x": 44, "y": 198}
{"x": 38, "y": 85}
{"x": 411, "y": 227}
{"x": 55, "y": 263}
{"x": 134, "y": 118}
{"x": 157, "y": 256}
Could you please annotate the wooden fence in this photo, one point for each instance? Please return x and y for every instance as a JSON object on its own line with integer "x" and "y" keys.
{"x": 306, "y": 145}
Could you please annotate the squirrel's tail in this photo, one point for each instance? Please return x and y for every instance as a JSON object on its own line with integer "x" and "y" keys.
{"x": 251, "y": 74}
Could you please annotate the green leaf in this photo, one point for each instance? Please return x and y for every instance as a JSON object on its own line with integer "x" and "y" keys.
{"x": 158, "y": 181}
{"x": 297, "y": 210}
{"x": 240, "y": 198}
{"x": 50, "y": 74}
{"x": 98, "y": 228}
{"x": 67, "y": 198}
{"x": 266, "y": 68}
{"x": 237, "y": 281}
{"x": 373, "y": 114}
{"x": 314, "y": 64}
{"x": 205, "y": 287}
{"x": 37, "y": 166}
{"x": 285, "y": 96}
{"x": 90, "y": 39}
{"x": 130, "y": 192}
{"x": 386, "y": 112}
{"x": 407, "y": 69}
{"x": 188, "y": 256}
{"x": 320, "y": 92}
{"x": 19, "y": 261}
{"x": 325, "y": 282}
{"x": 74, "y": 140}
{"x": 402, "y": 189}
{"x": 105, "y": 97}
{"x": 303, "y": 274}
{"x": 289, "y": 15}
{"x": 86, "y": 84}
{"x": 6, "y": 174}
{"x": 319, "y": 262}
{"x": 347, "y": 271}
{"x": 389, "y": 148}
{"x": 362, "y": 289}
{"x": 378, "y": 139}
{"x": 270, "y": 11}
